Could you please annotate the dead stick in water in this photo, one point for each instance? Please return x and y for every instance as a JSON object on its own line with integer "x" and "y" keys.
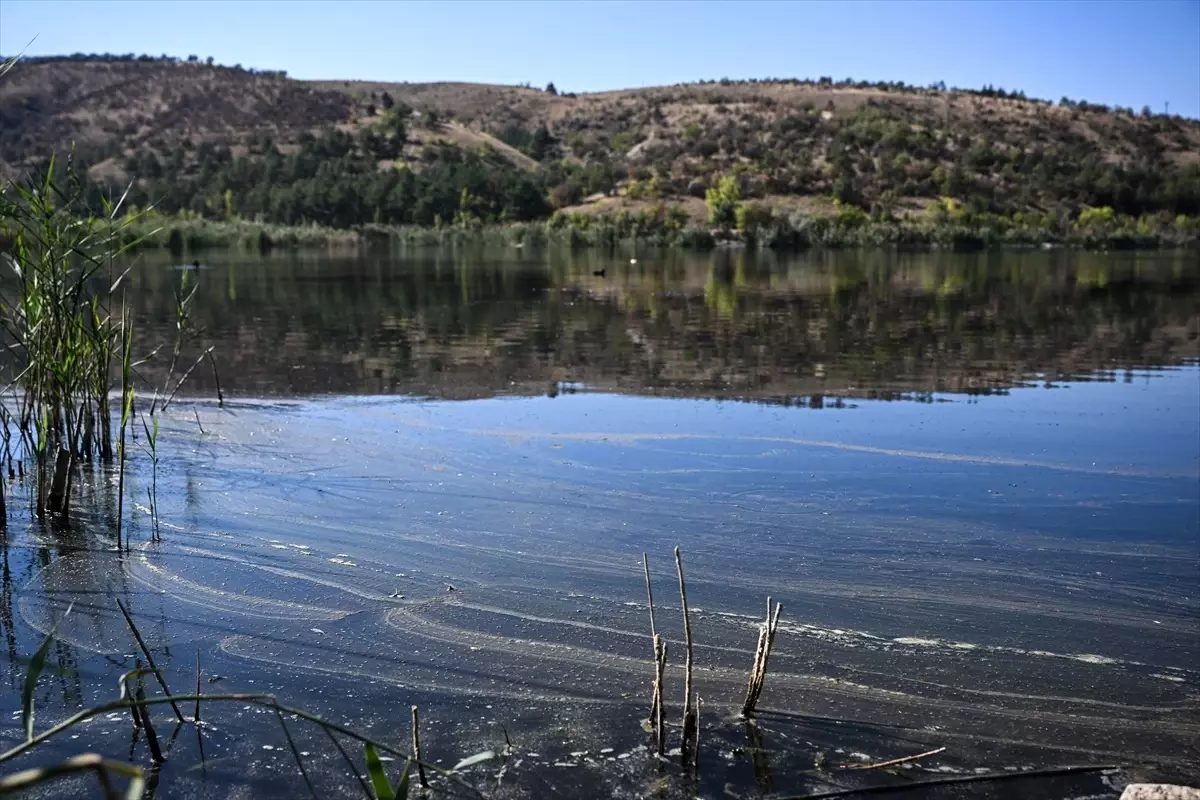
{"x": 895, "y": 761}
{"x": 758, "y": 671}
{"x": 196, "y": 716}
{"x": 656, "y": 703}
{"x": 151, "y": 737}
{"x": 149, "y": 659}
{"x": 660, "y": 666}
{"x": 689, "y": 713}
{"x": 994, "y": 777}
{"x": 135, "y": 710}
{"x": 216, "y": 378}
{"x": 649, "y": 595}
{"x": 416, "y": 744}
{"x": 748, "y": 705}
{"x": 696, "y": 741}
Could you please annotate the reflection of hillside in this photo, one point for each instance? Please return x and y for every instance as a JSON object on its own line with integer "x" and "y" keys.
{"x": 468, "y": 325}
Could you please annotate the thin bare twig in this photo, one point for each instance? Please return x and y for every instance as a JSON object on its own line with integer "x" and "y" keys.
{"x": 196, "y": 716}
{"x": 151, "y": 737}
{"x": 696, "y": 741}
{"x": 149, "y": 659}
{"x": 183, "y": 379}
{"x": 649, "y": 595}
{"x": 216, "y": 378}
{"x": 895, "y": 761}
{"x": 656, "y": 642}
{"x": 990, "y": 777}
{"x": 689, "y": 711}
{"x": 660, "y": 666}
{"x": 416, "y": 745}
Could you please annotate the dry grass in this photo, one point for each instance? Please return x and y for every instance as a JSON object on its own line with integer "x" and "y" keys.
{"x": 110, "y": 106}
{"x": 112, "y": 109}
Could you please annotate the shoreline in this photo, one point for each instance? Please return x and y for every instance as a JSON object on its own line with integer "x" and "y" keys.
{"x": 810, "y": 233}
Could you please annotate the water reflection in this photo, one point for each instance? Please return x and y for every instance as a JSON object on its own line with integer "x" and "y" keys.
{"x": 813, "y": 331}
{"x": 1012, "y": 576}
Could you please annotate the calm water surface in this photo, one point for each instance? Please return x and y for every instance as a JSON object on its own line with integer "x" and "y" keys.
{"x": 973, "y": 483}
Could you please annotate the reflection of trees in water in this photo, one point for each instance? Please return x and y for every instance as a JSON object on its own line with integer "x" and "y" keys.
{"x": 463, "y": 323}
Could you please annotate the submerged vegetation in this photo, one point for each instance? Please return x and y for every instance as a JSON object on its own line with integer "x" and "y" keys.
{"x": 472, "y": 776}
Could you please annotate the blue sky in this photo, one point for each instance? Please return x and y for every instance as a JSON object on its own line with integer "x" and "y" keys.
{"x": 1128, "y": 53}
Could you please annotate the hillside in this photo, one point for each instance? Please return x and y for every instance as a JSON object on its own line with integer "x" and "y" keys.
{"x": 197, "y": 136}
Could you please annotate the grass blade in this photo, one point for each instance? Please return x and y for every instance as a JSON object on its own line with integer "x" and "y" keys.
{"x": 149, "y": 659}
{"x": 36, "y": 665}
{"x": 383, "y": 789}
{"x": 296, "y": 754}
{"x": 136, "y": 788}
{"x": 402, "y": 786}
{"x": 349, "y": 764}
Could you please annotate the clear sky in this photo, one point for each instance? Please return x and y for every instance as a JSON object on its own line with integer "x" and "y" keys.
{"x": 1118, "y": 52}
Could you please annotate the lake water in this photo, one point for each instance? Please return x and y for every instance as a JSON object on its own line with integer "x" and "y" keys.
{"x": 972, "y": 482}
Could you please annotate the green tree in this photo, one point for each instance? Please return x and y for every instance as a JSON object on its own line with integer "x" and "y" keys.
{"x": 723, "y": 201}
{"x": 541, "y": 143}
{"x": 753, "y": 217}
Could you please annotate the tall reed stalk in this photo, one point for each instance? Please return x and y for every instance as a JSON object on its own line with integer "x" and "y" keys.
{"x": 58, "y": 292}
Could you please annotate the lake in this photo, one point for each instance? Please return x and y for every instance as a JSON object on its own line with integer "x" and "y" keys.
{"x": 973, "y": 482}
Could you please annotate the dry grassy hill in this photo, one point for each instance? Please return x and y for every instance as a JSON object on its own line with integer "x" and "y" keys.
{"x": 109, "y": 107}
{"x": 793, "y": 143}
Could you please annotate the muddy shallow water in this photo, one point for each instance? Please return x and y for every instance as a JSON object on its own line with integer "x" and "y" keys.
{"x": 972, "y": 485}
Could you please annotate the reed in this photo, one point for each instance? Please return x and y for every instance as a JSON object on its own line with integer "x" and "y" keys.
{"x": 55, "y": 307}
{"x": 151, "y": 448}
{"x": 758, "y": 669}
{"x": 149, "y": 658}
{"x": 139, "y": 707}
{"x": 689, "y": 697}
{"x": 660, "y": 664}
{"x": 64, "y": 313}
{"x": 659, "y": 722}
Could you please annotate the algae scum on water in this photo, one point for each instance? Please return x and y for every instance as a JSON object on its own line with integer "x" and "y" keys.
{"x": 444, "y": 501}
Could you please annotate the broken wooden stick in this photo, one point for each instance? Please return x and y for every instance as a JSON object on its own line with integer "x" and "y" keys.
{"x": 689, "y": 707}
{"x": 758, "y": 670}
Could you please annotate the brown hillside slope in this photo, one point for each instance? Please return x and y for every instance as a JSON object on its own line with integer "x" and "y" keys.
{"x": 107, "y": 108}
{"x": 661, "y": 112}
{"x": 806, "y": 141}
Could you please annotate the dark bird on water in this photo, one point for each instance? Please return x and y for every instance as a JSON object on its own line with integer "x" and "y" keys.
{"x": 599, "y": 273}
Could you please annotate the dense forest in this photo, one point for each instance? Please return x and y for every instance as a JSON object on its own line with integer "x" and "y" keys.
{"x": 223, "y": 143}
{"x": 332, "y": 179}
